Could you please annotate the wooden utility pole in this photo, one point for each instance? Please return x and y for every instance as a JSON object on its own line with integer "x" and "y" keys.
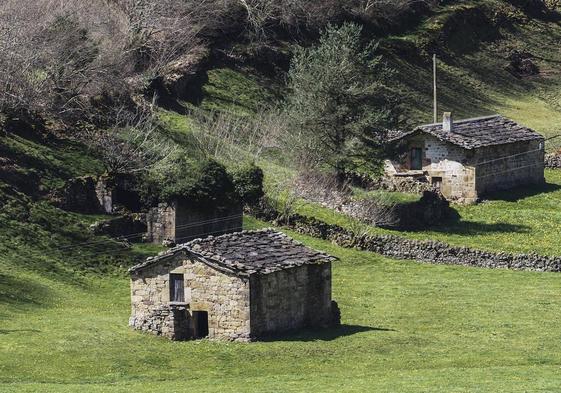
{"x": 434, "y": 88}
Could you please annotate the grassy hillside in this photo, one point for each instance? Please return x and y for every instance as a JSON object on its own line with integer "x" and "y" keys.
{"x": 406, "y": 327}
{"x": 516, "y": 221}
{"x": 473, "y": 40}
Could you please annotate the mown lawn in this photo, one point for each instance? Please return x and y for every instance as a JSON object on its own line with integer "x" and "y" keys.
{"x": 518, "y": 221}
{"x": 407, "y": 327}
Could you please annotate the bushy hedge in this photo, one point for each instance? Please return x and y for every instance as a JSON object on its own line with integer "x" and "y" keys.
{"x": 248, "y": 182}
{"x": 204, "y": 183}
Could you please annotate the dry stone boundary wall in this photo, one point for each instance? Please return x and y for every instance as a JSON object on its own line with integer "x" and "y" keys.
{"x": 421, "y": 250}
{"x": 553, "y": 161}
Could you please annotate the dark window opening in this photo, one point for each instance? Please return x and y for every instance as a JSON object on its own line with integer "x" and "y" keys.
{"x": 436, "y": 181}
{"x": 416, "y": 158}
{"x": 176, "y": 288}
{"x": 200, "y": 323}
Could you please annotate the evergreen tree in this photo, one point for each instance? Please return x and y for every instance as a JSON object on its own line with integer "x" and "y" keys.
{"x": 338, "y": 106}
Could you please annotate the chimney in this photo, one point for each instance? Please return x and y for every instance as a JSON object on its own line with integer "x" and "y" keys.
{"x": 447, "y": 122}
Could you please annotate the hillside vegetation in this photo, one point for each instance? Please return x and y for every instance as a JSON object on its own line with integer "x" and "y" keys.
{"x": 473, "y": 41}
{"x": 64, "y": 292}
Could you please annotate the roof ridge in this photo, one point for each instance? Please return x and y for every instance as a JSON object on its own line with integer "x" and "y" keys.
{"x": 264, "y": 251}
{"x": 463, "y": 120}
{"x": 229, "y": 235}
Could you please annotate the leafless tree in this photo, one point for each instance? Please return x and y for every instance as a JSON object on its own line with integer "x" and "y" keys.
{"x": 160, "y": 32}
{"x": 262, "y": 14}
{"x": 230, "y": 137}
{"x": 72, "y": 57}
{"x": 57, "y": 55}
{"x": 69, "y": 56}
{"x": 134, "y": 142}
{"x": 375, "y": 209}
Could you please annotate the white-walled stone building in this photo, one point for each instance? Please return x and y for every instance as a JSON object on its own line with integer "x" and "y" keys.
{"x": 469, "y": 158}
{"x": 238, "y": 287}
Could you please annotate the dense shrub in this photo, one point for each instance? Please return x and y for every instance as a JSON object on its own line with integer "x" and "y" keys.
{"x": 204, "y": 183}
{"x": 339, "y": 105}
{"x": 248, "y": 182}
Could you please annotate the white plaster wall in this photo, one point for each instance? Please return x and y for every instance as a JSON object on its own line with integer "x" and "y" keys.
{"x": 445, "y": 160}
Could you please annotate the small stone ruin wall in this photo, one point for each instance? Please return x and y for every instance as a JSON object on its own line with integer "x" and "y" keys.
{"x": 390, "y": 183}
{"x": 179, "y": 223}
{"x": 430, "y": 209}
{"x": 553, "y": 161}
{"x": 225, "y": 297}
{"x": 291, "y": 299}
{"x": 118, "y": 193}
{"x": 78, "y": 195}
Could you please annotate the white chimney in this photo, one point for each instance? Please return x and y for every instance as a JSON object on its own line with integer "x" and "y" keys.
{"x": 447, "y": 122}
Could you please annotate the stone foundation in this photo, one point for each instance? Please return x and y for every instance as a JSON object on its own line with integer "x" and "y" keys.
{"x": 168, "y": 321}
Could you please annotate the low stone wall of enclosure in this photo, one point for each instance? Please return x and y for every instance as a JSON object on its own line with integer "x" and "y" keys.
{"x": 553, "y": 161}
{"x": 428, "y": 251}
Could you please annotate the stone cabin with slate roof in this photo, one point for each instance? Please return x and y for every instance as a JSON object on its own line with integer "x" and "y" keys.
{"x": 467, "y": 159}
{"x": 235, "y": 287}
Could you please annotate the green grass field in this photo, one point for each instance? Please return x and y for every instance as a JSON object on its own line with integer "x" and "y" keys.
{"x": 407, "y": 327}
{"x": 517, "y": 221}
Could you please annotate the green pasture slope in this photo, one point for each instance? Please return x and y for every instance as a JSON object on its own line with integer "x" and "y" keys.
{"x": 407, "y": 327}
{"x": 525, "y": 220}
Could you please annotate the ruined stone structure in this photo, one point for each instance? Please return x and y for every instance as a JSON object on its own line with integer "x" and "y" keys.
{"x": 78, "y": 195}
{"x": 470, "y": 158}
{"x": 179, "y": 222}
{"x": 553, "y": 160}
{"x": 118, "y": 192}
{"x": 236, "y": 287}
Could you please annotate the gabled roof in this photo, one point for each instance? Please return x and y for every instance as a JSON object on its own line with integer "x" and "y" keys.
{"x": 245, "y": 253}
{"x": 477, "y": 132}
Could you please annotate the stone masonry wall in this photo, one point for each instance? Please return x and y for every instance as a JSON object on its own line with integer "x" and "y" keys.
{"x": 422, "y": 251}
{"x": 225, "y": 297}
{"x": 467, "y": 175}
{"x": 192, "y": 222}
{"x": 180, "y": 223}
{"x": 78, "y": 195}
{"x": 418, "y": 250}
{"x": 160, "y": 223}
{"x": 553, "y": 160}
{"x": 523, "y": 165}
{"x": 447, "y": 161}
{"x": 291, "y": 299}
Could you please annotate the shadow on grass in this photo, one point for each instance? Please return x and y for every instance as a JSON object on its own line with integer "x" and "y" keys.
{"x": 21, "y": 294}
{"x": 328, "y": 334}
{"x": 9, "y": 331}
{"x": 473, "y": 228}
{"x": 519, "y": 193}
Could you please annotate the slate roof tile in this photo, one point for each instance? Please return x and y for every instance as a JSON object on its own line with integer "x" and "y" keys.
{"x": 247, "y": 252}
{"x": 477, "y": 132}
